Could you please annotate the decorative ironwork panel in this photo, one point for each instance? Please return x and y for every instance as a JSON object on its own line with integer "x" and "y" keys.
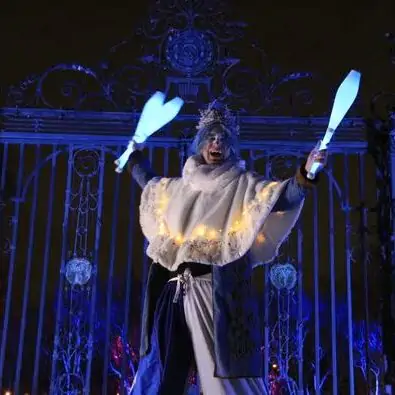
{"x": 318, "y": 338}
{"x": 66, "y": 299}
{"x": 91, "y": 277}
{"x": 188, "y": 48}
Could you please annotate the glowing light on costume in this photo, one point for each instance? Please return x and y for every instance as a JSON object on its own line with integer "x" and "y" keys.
{"x": 212, "y": 234}
{"x": 202, "y": 231}
{"x": 260, "y": 238}
{"x": 156, "y": 114}
{"x": 179, "y": 239}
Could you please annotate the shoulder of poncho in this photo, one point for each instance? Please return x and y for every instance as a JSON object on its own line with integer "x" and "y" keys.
{"x": 163, "y": 180}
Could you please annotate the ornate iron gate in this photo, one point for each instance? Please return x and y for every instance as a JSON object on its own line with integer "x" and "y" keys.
{"x": 74, "y": 269}
{"x": 73, "y": 241}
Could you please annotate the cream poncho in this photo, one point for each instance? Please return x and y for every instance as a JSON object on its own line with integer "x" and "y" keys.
{"x": 213, "y": 215}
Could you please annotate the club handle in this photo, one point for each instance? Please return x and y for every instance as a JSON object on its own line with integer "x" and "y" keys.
{"x": 313, "y": 171}
{"x": 123, "y": 159}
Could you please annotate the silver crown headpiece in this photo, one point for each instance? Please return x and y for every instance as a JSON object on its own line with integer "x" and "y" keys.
{"x": 218, "y": 113}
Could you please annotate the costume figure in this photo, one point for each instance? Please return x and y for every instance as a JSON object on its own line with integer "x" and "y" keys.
{"x": 207, "y": 230}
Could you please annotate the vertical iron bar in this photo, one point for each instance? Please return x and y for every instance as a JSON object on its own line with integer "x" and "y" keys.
{"x": 332, "y": 266}
{"x": 48, "y": 234}
{"x": 301, "y": 325}
{"x": 251, "y": 163}
{"x": 15, "y": 222}
{"x": 145, "y": 258}
{"x": 96, "y": 269}
{"x": 288, "y": 326}
{"x": 28, "y": 272}
{"x": 129, "y": 279}
{"x": 317, "y": 373}
{"x": 110, "y": 279}
{"x": 280, "y": 337}
{"x": 346, "y": 204}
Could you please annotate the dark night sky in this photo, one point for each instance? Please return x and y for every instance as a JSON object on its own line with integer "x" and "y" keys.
{"x": 326, "y": 39}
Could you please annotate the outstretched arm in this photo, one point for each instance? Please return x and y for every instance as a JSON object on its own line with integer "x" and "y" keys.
{"x": 140, "y": 168}
{"x": 295, "y": 191}
{"x": 298, "y": 187}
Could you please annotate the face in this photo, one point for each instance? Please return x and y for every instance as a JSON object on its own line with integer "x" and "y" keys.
{"x": 216, "y": 148}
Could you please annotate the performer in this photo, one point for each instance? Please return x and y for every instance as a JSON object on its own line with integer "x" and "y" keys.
{"x": 207, "y": 230}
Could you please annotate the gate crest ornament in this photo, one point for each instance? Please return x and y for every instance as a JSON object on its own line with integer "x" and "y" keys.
{"x": 190, "y": 52}
{"x": 78, "y": 271}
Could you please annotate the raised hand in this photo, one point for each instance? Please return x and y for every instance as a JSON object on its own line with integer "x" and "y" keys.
{"x": 318, "y": 158}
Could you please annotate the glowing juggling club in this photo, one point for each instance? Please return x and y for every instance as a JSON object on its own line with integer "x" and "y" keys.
{"x": 345, "y": 96}
{"x": 156, "y": 114}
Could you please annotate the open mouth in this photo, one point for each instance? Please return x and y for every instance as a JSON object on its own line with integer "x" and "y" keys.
{"x": 215, "y": 155}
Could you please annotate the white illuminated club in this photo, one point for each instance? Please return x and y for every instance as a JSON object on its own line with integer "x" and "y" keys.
{"x": 156, "y": 114}
{"x": 345, "y": 97}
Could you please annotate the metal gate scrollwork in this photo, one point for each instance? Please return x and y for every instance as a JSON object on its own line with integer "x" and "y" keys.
{"x": 75, "y": 316}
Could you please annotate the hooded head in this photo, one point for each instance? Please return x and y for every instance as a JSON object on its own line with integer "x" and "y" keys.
{"x": 217, "y": 135}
